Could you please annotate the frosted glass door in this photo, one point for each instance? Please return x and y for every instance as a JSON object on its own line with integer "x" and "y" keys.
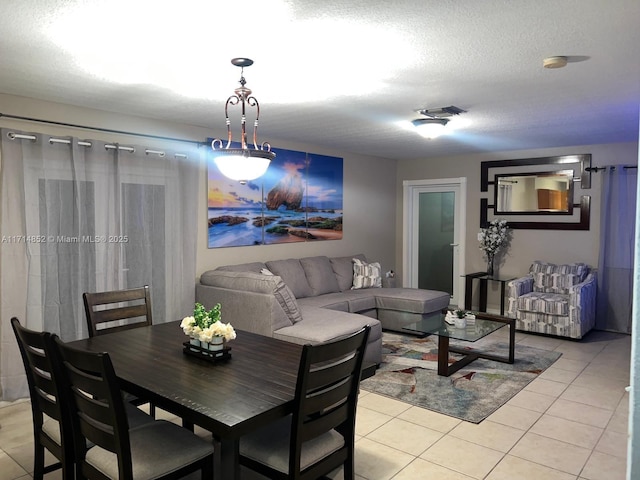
{"x": 436, "y": 228}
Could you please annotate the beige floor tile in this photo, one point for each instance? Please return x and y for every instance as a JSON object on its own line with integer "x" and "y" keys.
{"x": 514, "y": 468}
{"x": 405, "y": 436}
{"x": 551, "y": 453}
{"x": 516, "y": 417}
{"x": 10, "y": 469}
{"x": 613, "y": 443}
{"x": 488, "y": 434}
{"x": 427, "y": 418}
{"x": 546, "y": 387}
{"x": 368, "y": 420}
{"x": 386, "y": 405}
{"x": 602, "y": 466}
{"x": 567, "y": 431}
{"x": 531, "y": 401}
{"x": 570, "y": 365}
{"x": 421, "y": 469}
{"x": 619, "y": 422}
{"x": 461, "y": 456}
{"x": 576, "y": 354}
{"x": 597, "y": 382}
{"x": 579, "y": 412}
{"x": 608, "y": 399}
{"x": 558, "y": 375}
{"x": 23, "y": 455}
{"x": 543, "y": 343}
{"x": 375, "y": 461}
{"x": 55, "y": 475}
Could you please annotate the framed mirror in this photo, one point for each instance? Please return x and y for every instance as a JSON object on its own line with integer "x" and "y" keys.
{"x": 556, "y": 200}
{"x": 534, "y": 193}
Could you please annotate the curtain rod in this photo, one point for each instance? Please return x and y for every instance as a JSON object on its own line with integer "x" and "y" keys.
{"x": 100, "y": 129}
{"x": 597, "y": 169}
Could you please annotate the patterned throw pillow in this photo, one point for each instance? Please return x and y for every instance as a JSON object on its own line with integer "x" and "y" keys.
{"x": 366, "y": 275}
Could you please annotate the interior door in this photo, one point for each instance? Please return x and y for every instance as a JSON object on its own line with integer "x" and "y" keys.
{"x": 434, "y": 235}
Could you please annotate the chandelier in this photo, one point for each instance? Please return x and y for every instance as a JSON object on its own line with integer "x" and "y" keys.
{"x": 244, "y": 163}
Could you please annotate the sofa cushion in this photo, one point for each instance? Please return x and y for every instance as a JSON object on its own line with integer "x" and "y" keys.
{"x": 322, "y": 325}
{"x": 543, "y": 302}
{"x": 320, "y": 275}
{"x": 412, "y": 300}
{"x": 254, "y": 267}
{"x": 343, "y": 268}
{"x": 332, "y": 301}
{"x": 293, "y": 275}
{"x": 366, "y": 275}
{"x": 258, "y": 283}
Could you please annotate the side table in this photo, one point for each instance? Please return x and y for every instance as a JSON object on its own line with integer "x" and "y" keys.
{"x": 484, "y": 279}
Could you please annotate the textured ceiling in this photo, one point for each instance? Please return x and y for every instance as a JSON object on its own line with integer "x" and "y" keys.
{"x": 349, "y": 74}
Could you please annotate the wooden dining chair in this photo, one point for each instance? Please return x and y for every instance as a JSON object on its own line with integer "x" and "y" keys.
{"x": 319, "y": 436}
{"x": 154, "y": 450}
{"x": 51, "y": 419}
{"x": 117, "y": 310}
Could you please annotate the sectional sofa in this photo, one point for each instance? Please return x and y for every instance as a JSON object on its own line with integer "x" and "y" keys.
{"x": 314, "y": 299}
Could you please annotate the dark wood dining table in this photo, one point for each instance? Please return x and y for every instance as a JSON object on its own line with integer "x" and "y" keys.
{"x": 230, "y": 398}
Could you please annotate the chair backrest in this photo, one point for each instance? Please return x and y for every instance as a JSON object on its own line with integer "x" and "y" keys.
{"x": 326, "y": 397}
{"x": 117, "y": 310}
{"x": 98, "y": 410}
{"x": 48, "y": 395}
{"x": 552, "y": 278}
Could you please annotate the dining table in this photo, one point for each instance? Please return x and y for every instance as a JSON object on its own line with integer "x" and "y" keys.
{"x": 229, "y": 398}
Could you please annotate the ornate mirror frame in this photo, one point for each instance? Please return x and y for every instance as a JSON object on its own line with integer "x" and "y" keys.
{"x": 582, "y": 163}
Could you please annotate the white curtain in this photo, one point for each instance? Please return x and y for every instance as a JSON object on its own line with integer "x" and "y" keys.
{"x": 615, "y": 264}
{"x": 82, "y": 216}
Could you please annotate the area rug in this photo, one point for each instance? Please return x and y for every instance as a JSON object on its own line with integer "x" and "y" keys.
{"x": 409, "y": 373}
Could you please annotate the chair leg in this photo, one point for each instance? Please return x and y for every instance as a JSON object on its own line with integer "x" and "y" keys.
{"x": 38, "y": 460}
{"x": 152, "y": 410}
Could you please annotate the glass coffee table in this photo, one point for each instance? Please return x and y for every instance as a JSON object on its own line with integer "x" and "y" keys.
{"x": 485, "y": 323}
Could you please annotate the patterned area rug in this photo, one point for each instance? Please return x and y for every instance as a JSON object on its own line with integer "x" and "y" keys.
{"x": 409, "y": 373}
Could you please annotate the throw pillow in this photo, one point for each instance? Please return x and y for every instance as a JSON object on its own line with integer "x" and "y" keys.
{"x": 285, "y": 297}
{"x": 366, "y": 275}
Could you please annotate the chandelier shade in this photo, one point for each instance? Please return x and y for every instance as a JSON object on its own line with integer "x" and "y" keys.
{"x": 242, "y": 164}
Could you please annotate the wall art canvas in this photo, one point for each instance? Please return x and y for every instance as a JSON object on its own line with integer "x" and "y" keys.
{"x": 299, "y": 199}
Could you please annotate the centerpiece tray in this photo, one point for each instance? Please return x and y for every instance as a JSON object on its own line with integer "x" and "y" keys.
{"x": 202, "y": 353}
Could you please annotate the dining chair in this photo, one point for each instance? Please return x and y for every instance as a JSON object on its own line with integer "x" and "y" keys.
{"x": 154, "y": 450}
{"x": 117, "y": 310}
{"x": 51, "y": 420}
{"x": 318, "y": 436}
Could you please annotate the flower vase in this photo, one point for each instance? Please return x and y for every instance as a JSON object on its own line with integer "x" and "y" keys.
{"x": 216, "y": 344}
{"x": 194, "y": 341}
{"x": 490, "y": 265}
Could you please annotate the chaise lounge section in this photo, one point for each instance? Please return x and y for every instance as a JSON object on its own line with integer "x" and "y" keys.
{"x": 314, "y": 300}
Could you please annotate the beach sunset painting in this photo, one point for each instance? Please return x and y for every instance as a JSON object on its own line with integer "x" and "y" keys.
{"x": 299, "y": 199}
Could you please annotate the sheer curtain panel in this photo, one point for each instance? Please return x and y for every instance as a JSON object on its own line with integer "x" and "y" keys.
{"x": 83, "y": 215}
{"x": 615, "y": 264}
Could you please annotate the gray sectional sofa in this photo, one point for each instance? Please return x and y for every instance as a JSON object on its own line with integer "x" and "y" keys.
{"x": 311, "y": 300}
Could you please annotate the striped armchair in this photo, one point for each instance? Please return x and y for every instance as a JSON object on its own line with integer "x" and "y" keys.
{"x": 554, "y": 299}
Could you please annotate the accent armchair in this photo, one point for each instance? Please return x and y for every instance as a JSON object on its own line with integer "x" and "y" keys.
{"x": 554, "y": 299}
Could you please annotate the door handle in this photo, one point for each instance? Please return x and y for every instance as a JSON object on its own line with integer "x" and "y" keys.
{"x": 453, "y": 244}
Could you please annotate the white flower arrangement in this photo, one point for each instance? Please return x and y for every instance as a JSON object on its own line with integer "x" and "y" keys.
{"x": 493, "y": 237}
{"x": 204, "y": 326}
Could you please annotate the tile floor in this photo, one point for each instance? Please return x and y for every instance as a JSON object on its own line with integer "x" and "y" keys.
{"x": 568, "y": 424}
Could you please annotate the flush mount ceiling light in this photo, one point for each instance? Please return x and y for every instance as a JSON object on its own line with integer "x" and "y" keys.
{"x": 434, "y": 125}
{"x": 244, "y": 163}
{"x": 555, "y": 62}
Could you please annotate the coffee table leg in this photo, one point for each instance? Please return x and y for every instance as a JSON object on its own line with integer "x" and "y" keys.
{"x": 443, "y": 355}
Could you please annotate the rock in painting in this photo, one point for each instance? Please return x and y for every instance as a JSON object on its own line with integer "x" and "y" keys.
{"x": 228, "y": 219}
{"x": 263, "y": 221}
{"x": 288, "y": 192}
